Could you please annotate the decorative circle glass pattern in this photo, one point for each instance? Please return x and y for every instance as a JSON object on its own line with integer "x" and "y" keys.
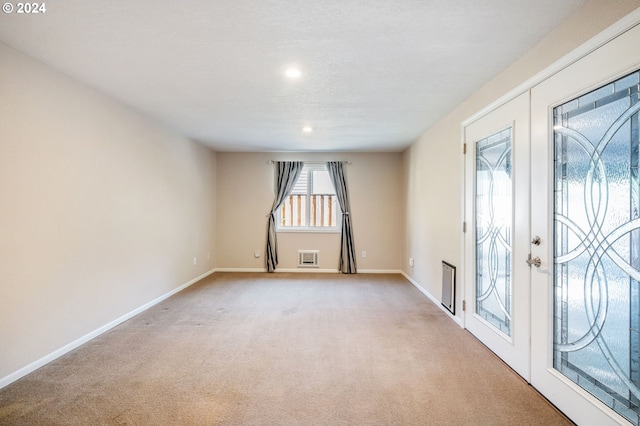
{"x": 493, "y": 230}
{"x": 597, "y": 244}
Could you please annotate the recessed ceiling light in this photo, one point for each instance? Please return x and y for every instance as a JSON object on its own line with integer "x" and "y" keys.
{"x": 293, "y": 72}
{"x": 307, "y": 129}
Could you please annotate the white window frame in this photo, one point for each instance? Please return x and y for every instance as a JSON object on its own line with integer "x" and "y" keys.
{"x": 337, "y": 228}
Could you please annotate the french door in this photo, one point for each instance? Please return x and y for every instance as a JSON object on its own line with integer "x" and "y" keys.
{"x": 585, "y": 198}
{"x": 497, "y": 283}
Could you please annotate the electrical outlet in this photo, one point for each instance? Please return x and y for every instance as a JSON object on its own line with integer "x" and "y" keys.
{"x": 195, "y": 260}
{"x": 208, "y": 255}
{"x": 364, "y": 254}
{"x": 256, "y": 254}
{"x": 411, "y": 262}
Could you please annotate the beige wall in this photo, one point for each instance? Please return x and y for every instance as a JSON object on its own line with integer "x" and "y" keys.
{"x": 433, "y": 165}
{"x": 245, "y": 194}
{"x": 101, "y": 211}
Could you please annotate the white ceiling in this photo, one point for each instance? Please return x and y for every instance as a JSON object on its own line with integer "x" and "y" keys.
{"x": 376, "y": 73}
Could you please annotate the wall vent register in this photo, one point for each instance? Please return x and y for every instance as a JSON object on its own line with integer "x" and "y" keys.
{"x": 449, "y": 287}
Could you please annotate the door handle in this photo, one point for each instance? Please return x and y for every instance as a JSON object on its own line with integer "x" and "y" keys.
{"x": 535, "y": 261}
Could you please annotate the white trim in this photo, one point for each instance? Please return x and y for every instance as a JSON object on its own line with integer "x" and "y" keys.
{"x": 315, "y": 165}
{"x": 379, "y": 271}
{"x": 7, "y": 380}
{"x": 310, "y": 229}
{"x": 312, "y": 270}
{"x": 309, "y": 162}
{"x": 241, "y": 269}
{"x": 464, "y": 226}
{"x": 594, "y": 43}
{"x": 433, "y": 299}
{"x": 308, "y": 270}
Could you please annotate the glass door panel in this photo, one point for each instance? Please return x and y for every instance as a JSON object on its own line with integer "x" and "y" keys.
{"x": 597, "y": 244}
{"x": 493, "y": 230}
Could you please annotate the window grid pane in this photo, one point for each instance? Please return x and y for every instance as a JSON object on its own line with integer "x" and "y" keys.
{"x": 312, "y": 203}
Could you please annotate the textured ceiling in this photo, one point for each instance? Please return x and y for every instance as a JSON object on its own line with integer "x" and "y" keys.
{"x": 376, "y": 74}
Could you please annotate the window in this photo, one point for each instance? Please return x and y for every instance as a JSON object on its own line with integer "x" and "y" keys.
{"x": 312, "y": 205}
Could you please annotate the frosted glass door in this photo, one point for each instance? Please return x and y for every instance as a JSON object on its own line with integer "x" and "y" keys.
{"x": 597, "y": 244}
{"x": 493, "y": 230}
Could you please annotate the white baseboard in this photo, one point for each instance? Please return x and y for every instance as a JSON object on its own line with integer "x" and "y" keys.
{"x": 84, "y": 339}
{"x": 433, "y": 299}
{"x": 311, "y": 270}
{"x": 241, "y": 270}
{"x": 314, "y": 270}
{"x": 379, "y": 271}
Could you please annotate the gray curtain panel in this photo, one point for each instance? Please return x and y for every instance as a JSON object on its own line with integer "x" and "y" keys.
{"x": 347, "y": 245}
{"x": 287, "y": 173}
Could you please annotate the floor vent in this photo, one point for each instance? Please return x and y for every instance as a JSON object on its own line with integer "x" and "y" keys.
{"x": 449, "y": 287}
{"x": 308, "y": 258}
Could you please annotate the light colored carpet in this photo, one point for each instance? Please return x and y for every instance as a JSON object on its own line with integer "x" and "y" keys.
{"x": 281, "y": 349}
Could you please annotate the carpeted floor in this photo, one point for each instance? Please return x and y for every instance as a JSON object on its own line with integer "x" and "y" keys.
{"x": 281, "y": 349}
